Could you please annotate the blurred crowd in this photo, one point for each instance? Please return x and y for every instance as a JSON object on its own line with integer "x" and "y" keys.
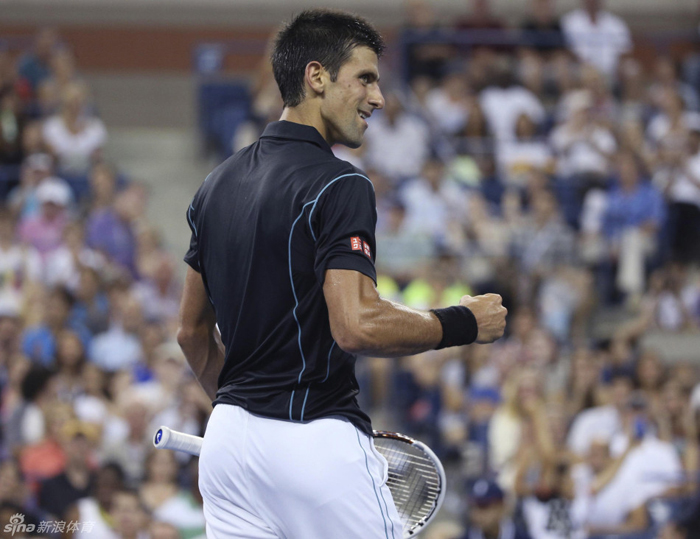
{"x": 89, "y": 301}
{"x": 550, "y": 164}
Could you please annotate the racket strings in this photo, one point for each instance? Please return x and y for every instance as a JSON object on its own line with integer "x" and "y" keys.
{"x": 413, "y": 480}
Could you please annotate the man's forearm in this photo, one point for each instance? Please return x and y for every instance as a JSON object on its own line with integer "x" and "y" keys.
{"x": 362, "y": 322}
{"x": 390, "y": 329}
{"x": 205, "y": 355}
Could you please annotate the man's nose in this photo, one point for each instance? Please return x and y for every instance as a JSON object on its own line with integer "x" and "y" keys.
{"x": 377, "y": 99}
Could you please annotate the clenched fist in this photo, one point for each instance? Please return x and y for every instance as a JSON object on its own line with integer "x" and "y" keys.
{"x": 490, "y": 316}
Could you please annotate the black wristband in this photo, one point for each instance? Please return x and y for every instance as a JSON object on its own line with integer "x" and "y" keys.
{"x": 458, "y": 326}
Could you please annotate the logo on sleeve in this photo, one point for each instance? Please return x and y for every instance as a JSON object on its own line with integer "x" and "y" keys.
{"x": 358, "y": 245}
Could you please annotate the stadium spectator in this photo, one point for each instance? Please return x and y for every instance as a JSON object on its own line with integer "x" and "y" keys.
{"x": 424, "y": 60}
{"x": 633, "y": 217}
{"x": 129, "y": 516}
{"x": 12, "y": 122}
{"x": 159, "y": 293}
{"x": 96, "y": 508}
{"x": 583, "y": 147}
{"x": 543, "y": 30}
{"x": 22, "y": 199}
{"x": 63, "y": 73}
{"x": 489, "y": 513}
{"x": 92, "y": 305}
{"x": 44, "y": 232}
{"x": 429, "y": 199}
{"x": 110, "y": 229}
{"x": 20, "y": 265}
{"x": 127, "y": 439}
{"x": 25, "y": 423}
{"x": 667, "y": 77}
{"x": 679, "y": 177}
{"x": 40, "y": 340}
{"x": 597, "y": 36}
{"x": 75, "y": 137}
{"x": 64, "y": 264}
{"x": 600, "y": 422}
{"x": 398, "y": 143}
{"x": 34, "y": 67}
{"x": 165, "y": 500}
{"x": 504, "y": 101}
{"x": 47, "y": 457}
{"x": 13, "y": 488}
{"x": 525, "y": 153}
{"x": 58, "y": 493}
{"x": 523, "y": 410}
{"x": 119, "y": 347}
{"x": 448, "y": 104}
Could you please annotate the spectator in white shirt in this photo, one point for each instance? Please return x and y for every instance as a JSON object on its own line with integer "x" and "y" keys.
{"x": 517, "y": 158}
{"x": 597, "y": 36}
{"x": 582, "y": 147}
{"x": 504, "y": 102}
{"x": 73, "y": 136}
{"x": 679, "y": 177}
{"x": 429, "y": 200}
{"x": 448, "y": 104}
{"x": 398, "y": 143}
{"x": 667, "y": 77}
{"x": 669, "y": 129}
{"x": 601, "y": 422}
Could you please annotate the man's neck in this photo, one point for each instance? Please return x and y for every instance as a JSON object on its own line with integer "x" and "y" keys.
{"x": 305, "y": 114}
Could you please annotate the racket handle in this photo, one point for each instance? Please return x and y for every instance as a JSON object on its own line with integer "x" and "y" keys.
{"x": 166, "y": 438}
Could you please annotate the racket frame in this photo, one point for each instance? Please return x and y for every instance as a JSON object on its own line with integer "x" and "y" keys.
{"x": 418, "y": 526}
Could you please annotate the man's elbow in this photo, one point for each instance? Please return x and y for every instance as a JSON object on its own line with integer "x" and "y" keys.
{"x": 352, "y": 340}
{"x": 187, "y": 337}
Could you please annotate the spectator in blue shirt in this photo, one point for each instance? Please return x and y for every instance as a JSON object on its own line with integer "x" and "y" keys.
{"x": 634, "y": 214}
{"x": 633, "y": 204}
{"x": 34, "y": 67}
{"x": 39, "y": 342}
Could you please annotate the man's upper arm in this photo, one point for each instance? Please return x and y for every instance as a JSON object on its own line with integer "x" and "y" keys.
{"x": 347, "y": 293}
{"x": 195, "y": 309}
{"x": 342, "y": 226}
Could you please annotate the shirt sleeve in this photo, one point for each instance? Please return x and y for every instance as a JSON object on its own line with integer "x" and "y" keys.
{"x": 343, "y": 226}
{"x": 192, "y": 256}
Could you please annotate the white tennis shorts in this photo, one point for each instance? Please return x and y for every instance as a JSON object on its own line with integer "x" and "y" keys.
{"x": 263, "y": 478}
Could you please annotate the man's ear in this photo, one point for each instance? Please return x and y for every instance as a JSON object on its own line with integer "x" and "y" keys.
{"x": 316, "y": 77}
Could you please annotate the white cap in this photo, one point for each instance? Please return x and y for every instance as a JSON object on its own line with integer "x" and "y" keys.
{"x": 54, "y": 190}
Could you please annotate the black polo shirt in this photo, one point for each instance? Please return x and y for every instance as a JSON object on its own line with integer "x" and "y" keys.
{"x": 266, "y": 225}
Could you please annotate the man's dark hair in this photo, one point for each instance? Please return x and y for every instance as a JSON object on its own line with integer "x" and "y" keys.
{"x": 320, "y": 35}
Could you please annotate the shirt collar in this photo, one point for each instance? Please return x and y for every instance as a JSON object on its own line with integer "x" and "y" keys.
{"x": 293, "y": 131}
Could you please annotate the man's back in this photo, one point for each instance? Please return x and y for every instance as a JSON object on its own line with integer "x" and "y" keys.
{"x": 266, "y": 226}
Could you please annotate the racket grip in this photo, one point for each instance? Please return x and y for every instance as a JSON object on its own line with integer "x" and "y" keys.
{"x": 166, "y": 438}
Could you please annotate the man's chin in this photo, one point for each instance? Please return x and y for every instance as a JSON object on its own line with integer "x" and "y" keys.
{"x": 352, "y": 144}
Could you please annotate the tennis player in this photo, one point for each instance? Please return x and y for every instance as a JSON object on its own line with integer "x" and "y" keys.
{"x": 282, "y": 258}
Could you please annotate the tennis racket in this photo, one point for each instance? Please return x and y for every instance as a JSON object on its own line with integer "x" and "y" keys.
{"x": 416, "y": 477}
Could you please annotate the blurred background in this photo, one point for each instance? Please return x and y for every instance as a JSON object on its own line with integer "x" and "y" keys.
{"x": 548, "y": 151}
